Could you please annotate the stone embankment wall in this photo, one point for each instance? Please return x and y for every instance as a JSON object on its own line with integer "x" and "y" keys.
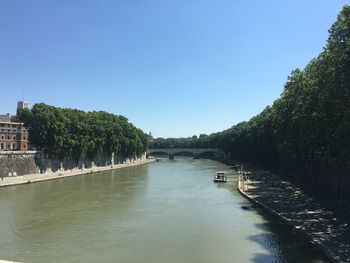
{"x": 17, "y": 162}
{"x": 30, "y": 162}
{"x": 331, "y": 183}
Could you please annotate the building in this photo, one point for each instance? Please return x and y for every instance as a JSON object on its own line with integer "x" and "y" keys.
{"x": 13, "y": 134}
{"x": 21, "y": 105}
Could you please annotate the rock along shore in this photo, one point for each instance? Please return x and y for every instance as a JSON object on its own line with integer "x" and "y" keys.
{"x": 33, "y": 178}
{"x": 328, "y": 229}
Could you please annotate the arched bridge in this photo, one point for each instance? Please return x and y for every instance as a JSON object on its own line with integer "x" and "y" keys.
{"x": 195, "y": 152}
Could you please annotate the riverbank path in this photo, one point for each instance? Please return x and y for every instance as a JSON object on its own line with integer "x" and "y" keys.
{"x": 32, "y": 178}
{"x": 329, "y": 229}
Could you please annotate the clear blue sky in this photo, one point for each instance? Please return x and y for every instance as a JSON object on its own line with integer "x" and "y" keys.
{"x": 175, "y": 68}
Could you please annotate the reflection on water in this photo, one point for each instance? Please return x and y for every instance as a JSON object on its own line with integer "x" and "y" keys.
{"x": 168, "y": 211}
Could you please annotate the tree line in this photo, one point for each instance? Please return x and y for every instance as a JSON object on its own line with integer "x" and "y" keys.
{"x": 76, "y": 134}
{"x": 306, "y": 130}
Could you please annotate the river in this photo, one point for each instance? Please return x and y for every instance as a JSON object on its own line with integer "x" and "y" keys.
{"x": 168, "y": 211}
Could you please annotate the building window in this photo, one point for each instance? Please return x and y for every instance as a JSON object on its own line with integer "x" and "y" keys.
{"x": 8, "y": 137}
{"x": 24, "y": 138}
{"x": 14, "y": 137}
{"x": 13, "y": 146}
{"x": 1, "y": 146}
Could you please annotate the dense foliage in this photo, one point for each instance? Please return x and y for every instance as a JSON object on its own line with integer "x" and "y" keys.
{"x": 77, "y": 134}
{"x": 190, "y": 142}
{"x": 310, "y": 123}
{"x": 308, "y": 126}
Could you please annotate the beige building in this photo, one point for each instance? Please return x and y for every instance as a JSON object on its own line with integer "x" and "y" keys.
{"x": 13, "y": 134}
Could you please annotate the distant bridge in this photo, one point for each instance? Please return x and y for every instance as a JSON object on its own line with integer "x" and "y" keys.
{"x": 195, "y": 152}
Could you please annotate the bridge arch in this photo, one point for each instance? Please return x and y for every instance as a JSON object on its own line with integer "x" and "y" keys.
{"x": 195, "y": 152}
{"x": 160, "y": 152}
{"x": 207, "y": 153}
{"x": 184, "y": 153}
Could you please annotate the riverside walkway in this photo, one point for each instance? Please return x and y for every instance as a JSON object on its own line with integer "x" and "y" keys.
{"x": 330, "y": 230}
{"x": 32, "y": 178}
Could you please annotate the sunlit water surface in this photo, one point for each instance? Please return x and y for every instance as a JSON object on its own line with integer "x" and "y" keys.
{"x": 168, "y": 211}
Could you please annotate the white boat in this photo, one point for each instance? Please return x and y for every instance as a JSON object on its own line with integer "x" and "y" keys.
{"x": 220, "y": 177}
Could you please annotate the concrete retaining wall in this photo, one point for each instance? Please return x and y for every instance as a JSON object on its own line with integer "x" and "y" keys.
{"x": 31, "y": 162}
{"x": 17, "y": 163}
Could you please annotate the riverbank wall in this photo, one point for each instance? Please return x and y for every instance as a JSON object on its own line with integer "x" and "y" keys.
{"x": 333, "y": 183}
{"x": 39, "y": 177}
{"x": 18, "y": 163}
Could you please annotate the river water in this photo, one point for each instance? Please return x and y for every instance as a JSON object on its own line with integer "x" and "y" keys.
{"x": 168, "y": 211}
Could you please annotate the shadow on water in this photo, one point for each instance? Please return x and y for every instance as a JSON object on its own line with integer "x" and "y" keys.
{"x": 284, "y": 243}
{"x": 263, "y": 258}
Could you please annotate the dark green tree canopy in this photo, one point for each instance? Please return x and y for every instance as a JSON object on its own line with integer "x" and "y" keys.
{"x": 74, "y": 133}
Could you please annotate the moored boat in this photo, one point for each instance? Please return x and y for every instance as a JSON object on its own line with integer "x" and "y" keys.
{"x": 220, "y": 177}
